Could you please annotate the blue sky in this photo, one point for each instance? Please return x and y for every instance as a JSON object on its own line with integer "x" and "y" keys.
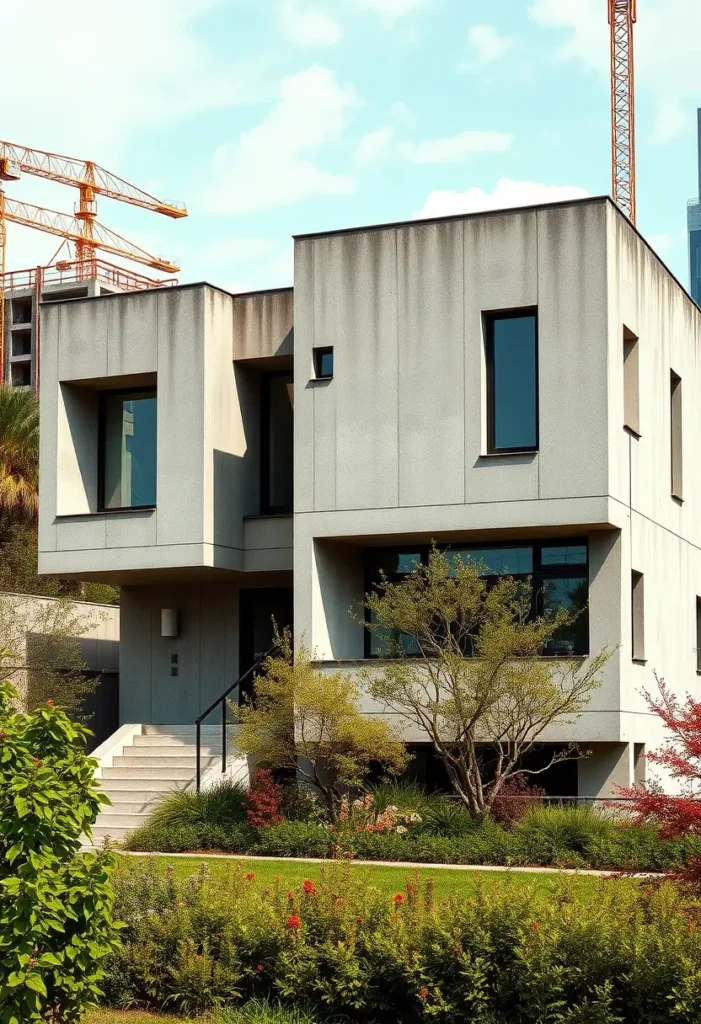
{"x": 272, "y": 117}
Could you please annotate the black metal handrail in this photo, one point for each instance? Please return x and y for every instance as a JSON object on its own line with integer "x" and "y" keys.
{"x": 223, "y": 701}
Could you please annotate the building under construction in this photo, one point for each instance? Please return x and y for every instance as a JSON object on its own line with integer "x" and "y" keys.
{"x": 24, "y": 290}
{"x": 85, "y": 275}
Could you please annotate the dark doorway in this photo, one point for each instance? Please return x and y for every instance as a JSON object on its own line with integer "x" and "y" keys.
{"x": 101, "y": 708}
{"x": 258, "y": 609}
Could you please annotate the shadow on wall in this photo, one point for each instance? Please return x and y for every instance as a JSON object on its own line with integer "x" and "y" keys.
{"x": 236, "y": 478}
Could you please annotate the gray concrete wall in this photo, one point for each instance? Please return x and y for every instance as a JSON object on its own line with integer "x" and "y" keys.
{"x": 263, "y": 325}
{"x": 208, "y": 479}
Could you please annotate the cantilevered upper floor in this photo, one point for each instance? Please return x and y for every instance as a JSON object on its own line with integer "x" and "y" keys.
{"x": 166, "y": 435}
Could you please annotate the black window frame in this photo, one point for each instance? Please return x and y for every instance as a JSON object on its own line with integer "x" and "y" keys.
{"x": 266, "y": 509}
{"x": 539, "y": 576}
{"x": 318, "y": 354}
{"x": 101, "y": 437}
{"x": 490, "y": 318}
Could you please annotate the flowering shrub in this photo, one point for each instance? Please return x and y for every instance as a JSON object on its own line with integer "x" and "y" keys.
{"x": 264, "y": 801}
{"x": 513, "y": 951}
{"x": 361, "y": 815}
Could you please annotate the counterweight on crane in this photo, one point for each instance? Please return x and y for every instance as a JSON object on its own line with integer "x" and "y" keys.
{"x": 622, "y": 17}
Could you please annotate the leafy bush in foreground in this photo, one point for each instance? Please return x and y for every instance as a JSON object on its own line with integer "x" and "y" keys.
{"x": 55, "y": 906}
{"x": 512, "y": 952}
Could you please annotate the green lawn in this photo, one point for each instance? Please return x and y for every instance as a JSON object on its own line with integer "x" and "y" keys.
{"x": 447, "y": 881}
{"x": 130, "y": 1017}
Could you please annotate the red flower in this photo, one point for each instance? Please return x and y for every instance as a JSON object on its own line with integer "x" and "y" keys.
{"x": 294, "y": 922}
{"x": 358, "y": 920}
{"x": 423, "y": 992}
{"x": 290, "y": 895}
{"x": 259, "y": 968}
{"x": 309, "y": 887}
{"x": 399, "y": 899}
{"x": 250, "y": 875}
{"x": 50, "y": 703}
{"x": 534, "y": 926}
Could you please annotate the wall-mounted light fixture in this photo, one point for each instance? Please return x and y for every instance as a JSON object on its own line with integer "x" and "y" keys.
{"x": 169, "y": 621}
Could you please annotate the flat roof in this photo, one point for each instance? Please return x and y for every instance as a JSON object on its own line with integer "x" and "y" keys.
{"x": 417, "y": 221}
{"x": 168, "y": 288}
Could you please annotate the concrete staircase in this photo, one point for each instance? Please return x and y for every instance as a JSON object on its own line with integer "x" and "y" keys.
{"x": 159, "y": 759}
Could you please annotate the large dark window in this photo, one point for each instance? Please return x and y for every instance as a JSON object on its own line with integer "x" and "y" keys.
{"x": 277, "y": 445}
{"x": 558, "y": 570}
{"x": 127, "y": 447}
{"x": 512, "y": 381}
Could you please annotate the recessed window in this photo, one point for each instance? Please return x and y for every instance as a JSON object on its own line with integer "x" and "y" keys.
{"x": 698, "y": 634}
{"x": 631, "y": 399}
{"x": 675, "y": 393}
{"x": 558, "y": 574}
{"x": 277, "y": 443}
{"x": 127, "y": 449}
{"x": 323, "y": 363}
{"x": 638, "y": 615}
{"x": 512, "y": 381}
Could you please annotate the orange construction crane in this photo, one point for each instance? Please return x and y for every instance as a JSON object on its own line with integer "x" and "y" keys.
{"x": 622, "y": 17}
{"x": 84, "y": 229}
{"x": 91, "y": 180}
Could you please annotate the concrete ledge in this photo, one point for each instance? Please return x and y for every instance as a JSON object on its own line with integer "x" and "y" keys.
{"x": 114, "y": 745}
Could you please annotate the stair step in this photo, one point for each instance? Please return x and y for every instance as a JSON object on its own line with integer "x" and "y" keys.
{"x": 109, "y": 820}
{"x": 150, "y": 773}
{"x": 184, "y": 750}
{"x": 153, "y": 741}
{"x": 185, "y": 730}
{"x": 131, "y": 803}
{"x": 116, "y": 832}
{"x": 190, "y": 763}
{"x": 128, "y": 780}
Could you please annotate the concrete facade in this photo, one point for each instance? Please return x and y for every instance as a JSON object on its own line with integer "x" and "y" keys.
{"x": 391, "y": 450}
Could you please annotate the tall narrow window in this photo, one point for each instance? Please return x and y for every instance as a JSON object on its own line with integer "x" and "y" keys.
{"x": 631, "y": 400}
{"x": 638, "y": 615}
{"x": 698, "y": 634}
{"x": 675, "y": 391}
{"x": 277, "y": 446}
{"x": 127, "y": 447}
{"x": 512, "y": 381}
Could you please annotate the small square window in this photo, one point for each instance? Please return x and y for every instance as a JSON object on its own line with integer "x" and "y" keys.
{"x": 323, "y": 363}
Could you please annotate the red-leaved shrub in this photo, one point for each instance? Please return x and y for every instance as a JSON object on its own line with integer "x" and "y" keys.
{"x": 675, "y": 815}
{"x": 264, "y": 800}
{"x": 516, "y": 797}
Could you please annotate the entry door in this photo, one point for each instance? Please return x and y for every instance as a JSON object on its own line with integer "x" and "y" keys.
{"x": 258, "y": 609}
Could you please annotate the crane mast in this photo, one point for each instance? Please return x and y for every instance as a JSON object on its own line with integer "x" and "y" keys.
{"x": 622, "y": 16}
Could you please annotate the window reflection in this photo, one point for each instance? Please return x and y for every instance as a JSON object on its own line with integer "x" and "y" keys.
{"x": 570, "y": 594}
{"x": 495, "y": 561}
{"x": 513, "y": 388}
{"x": 128, "y": 450}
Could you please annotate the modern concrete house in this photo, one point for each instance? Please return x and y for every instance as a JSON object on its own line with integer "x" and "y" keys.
{"x": 523, "y": 385}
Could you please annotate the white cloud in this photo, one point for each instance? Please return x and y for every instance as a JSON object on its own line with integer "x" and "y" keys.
{"x": 391, "y": 8}
{"x": 667, "y": 37}
{"x": 506, "y": 194}
{"x": 308, "y": 26}
{"x": 486, "y": 47}
{"x": 456, "y": 148}
{"x": 374, "y": 146}
{"x": 273, "y": 164}
{"x": 138, "y": 63}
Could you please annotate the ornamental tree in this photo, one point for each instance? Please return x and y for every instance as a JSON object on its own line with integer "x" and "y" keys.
{"x": 55, "y": 904}
{"x": 680, "y": 756}
{"x": 310, "y": 721}
{"x": 464, "y": 666}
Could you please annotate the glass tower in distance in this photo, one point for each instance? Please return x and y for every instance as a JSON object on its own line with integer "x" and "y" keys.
{"x": 693, "y": 219}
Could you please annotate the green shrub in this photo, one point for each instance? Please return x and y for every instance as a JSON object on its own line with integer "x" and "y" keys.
{"x": 213, "y": 819}
{"x": 573, "y": 835}
{"x": 405, "y": 795}
{"x": 259, "y": 1012}
{"x": 55, "y": 905}
{"x": 292, "y": 839}
{"x": 447, "y": 818}
{"x": 512, "y": 952}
